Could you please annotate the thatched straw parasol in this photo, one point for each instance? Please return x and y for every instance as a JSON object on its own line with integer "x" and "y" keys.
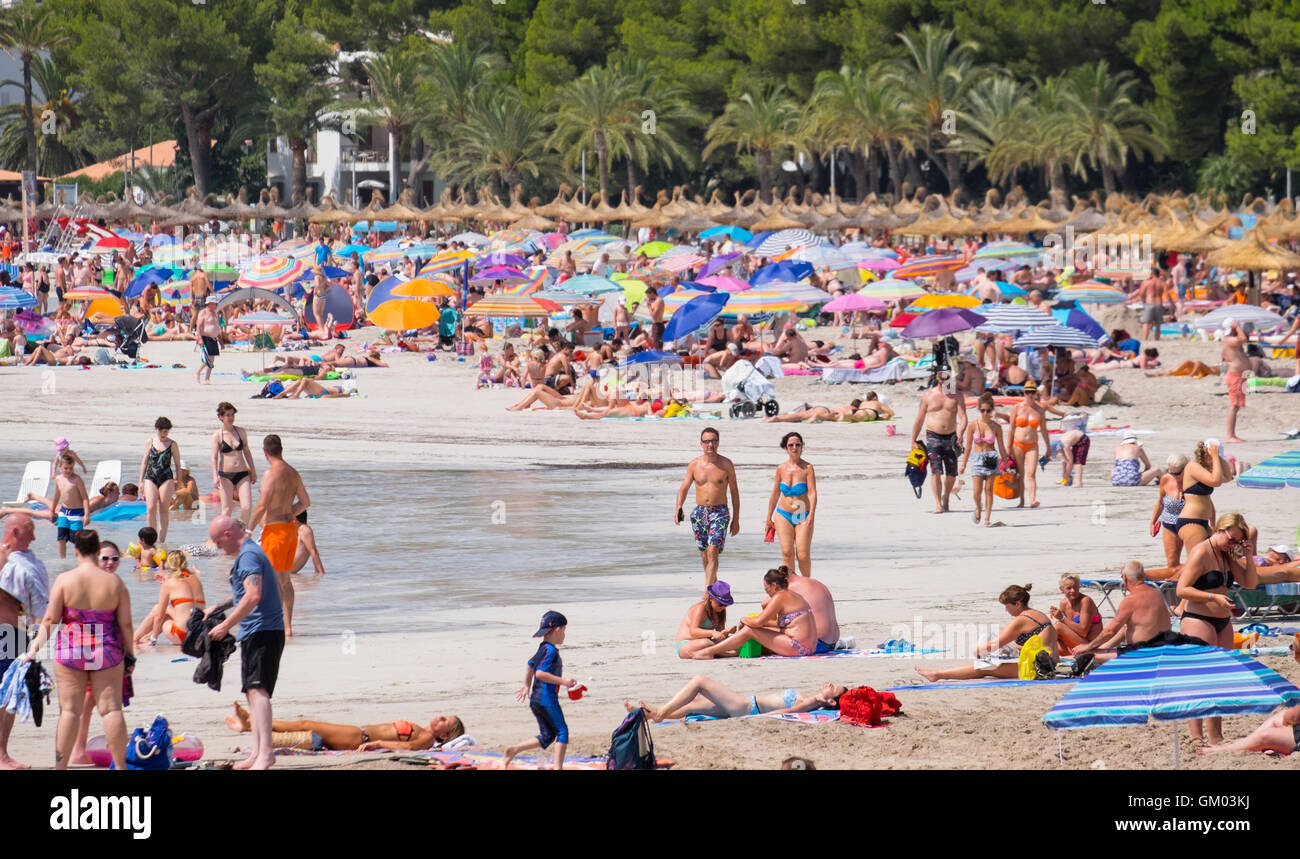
{"x": 1254, "y": 253}
{"x": 402, "y": 210}
{"x": 333, "y": 213}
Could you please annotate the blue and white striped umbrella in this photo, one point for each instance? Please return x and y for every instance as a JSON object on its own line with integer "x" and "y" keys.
{"x": 1055, "y": 335}
{"x": 1171, "y": 683}
{"x": 1013, "y": 317}
{"x": 15, "y": 299}
{"x": 1276, "y": 472}
{"x": 783, "y": 240}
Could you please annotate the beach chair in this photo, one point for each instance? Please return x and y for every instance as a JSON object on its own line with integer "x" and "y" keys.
{"x": 1283, "y": 598}
{"x": 36, "y": 480}
{"x": 107, "y": 470}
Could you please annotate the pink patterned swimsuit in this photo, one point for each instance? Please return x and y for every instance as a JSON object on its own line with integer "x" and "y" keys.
{"x": 89, "y": 639}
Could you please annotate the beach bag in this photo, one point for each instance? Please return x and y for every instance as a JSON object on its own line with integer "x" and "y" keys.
{"x": 915, "y": 469}
{"x": 152, "y": 749}
{"x": 1028, "y": 652}
{"x": 269, "y": 390}
{"x": 1006, "y": 484}
{"x": 630, "y": 746}
{"x": 865, "y": 706}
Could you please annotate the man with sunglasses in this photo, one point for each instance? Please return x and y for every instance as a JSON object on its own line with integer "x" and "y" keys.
{"x": 943, "y": 415}
{"x": 714, "y": 476}
{"x": 25, "y": 590}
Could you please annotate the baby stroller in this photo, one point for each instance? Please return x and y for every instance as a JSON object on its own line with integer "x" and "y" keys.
{"x": 748, "y": 391}
{"x": 130, "y": 334}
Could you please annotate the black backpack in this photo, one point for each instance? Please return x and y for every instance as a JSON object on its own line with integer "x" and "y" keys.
{"x": 631, "y": 747}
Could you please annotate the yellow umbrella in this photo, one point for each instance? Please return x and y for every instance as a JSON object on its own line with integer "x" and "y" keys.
{"x": 633, "y": 290}
{"x": 405, "y": 314}
{"x": 945, "y": 299}
{"x": 423, "y": 288}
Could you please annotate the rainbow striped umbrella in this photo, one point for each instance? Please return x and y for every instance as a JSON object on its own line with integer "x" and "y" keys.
{"x": 446, "y": 261}
{"x": 943, "y": 299}
{"x": 392, "y": 250}
{"x": 263, "y": 317}
{"x": 1122, "y": 272}
{"x": 507, "y": 306}
{"x": 272, "y": 272}
{"x": 891, "y": 289}
{"x": 538, "y": 277}
{"x": 87, "y": 293}
{"x": 677, "y": 263}
{"x": 177, "y": 293}
{"x": 754, "y": 301}
{"x": 929, "y": 266}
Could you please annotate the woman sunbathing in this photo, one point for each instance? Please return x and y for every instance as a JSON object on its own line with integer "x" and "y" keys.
{"x": 1002, "y": 652}
{"x": 313, "y": 390}
{"x": 1148, "y": 360}
{"x": 394, "y": 736}
{"x": 370, "y": 359}
{"x": 640, "y": 409}
{"x": 703, "y": 696}
{"x": 1194, "y": 369}
{"x": 864, "y": 409}
{"x": 1279, "y": 734}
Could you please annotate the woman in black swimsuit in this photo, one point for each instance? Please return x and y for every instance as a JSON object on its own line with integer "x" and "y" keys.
{"x": 158, "y": 469}
{"x": 1226, "y": 556}
{"x": 233, "y": 469}
{"x": 1201, "y": 477}
{"x": 1028, "y": 623}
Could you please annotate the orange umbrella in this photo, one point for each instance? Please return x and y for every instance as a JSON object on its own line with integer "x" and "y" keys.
{"x": 423, "y": 288}
{"x": 405, "y": 314}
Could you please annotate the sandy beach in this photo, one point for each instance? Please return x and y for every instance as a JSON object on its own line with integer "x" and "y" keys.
{"x": 892, "y": 566}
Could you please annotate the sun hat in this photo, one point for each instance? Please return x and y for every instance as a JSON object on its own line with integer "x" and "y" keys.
{"x": 550, "y": 620}
{"x": 184, "y": 466}
{"x": 720, "y": 591}
{"x": 1130, "y": 439}
{"x": 1281, "y": 550}
{"x": 1031, "y": 387}
{"x": 60, "y": 443}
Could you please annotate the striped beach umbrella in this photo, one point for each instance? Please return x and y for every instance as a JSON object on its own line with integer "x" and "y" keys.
{"x": 1092, "y": 292}
{"x": 446, "y": 261}
{"x": 933, "y": 300}
{"x": 995, "y": 250}
{"x": 390, "y": 251}
{"x": 523, "y": 306}
{"x": 263, "y": 317}
{"x": 1276, "y": 472}
{"x": 809, "y": 295}
{"x": 678, "y": 263}
{"x": 1120, "y": 272}
{"x": 587, "y": 284}
{"x": 754, "y": 301}
{"x": 470, "y": 238}
{"x": 972, "y": 271}
{"x": 892, "y": 289}
{"x": 87, "y": 293}
{"x": 177, "y": 293}
{"x": 15, "y": 299}
{"x": 539, "y": 277}
{"x": 783, "y": 240}
{"x": 1055, "y": 335}
{"x": 1171, "y": 683}
{"x": 822, "y": 256}
{"x": 272, "y": 272}
{"x": 1013, "y": 317}
{"x": 724, "y": 283}
{"x": 928, "y": 266}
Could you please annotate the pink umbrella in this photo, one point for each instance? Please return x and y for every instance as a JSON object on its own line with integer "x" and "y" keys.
{"x": 851, "y": 302}
{"x": 552, "y": 240}
{"x": 725, "y": 283}
{"x": 879, "y": 263}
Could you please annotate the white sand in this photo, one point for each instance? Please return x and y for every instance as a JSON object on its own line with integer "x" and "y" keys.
{"x": 912, "y": 565}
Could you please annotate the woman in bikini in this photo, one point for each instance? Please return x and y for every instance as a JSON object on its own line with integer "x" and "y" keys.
{"x": 785, "y": 627}
{"x": 859, "y": 410}
{"x": 1004, "y": 649}
{"x": 703, "y": 696}
{"x": 705, "y": 623}
{"x": 1213, "y": 564}
{"x": 313, "y": 390}
{"x": 794, "y": 501}
{"x": 1202, "y": 475}
{"x": 399, "y": 735}
{"x": 178, "y": 594}
{"x": 158, "y": 469}
{"x": 233, "y": 469}
{"x": 1076, "y": 618}
{"x": 370, "y": 359}
{"x": 984, "y": 442}
{"x": 1169, "y": 505}
{"x": 1029, "y": 422}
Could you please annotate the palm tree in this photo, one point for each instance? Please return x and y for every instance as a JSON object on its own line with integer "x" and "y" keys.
{"x": 664, "y": 143}
{"x": 1105, "y": 123}
{"x": 57, "y": 153}
{"x": 395, "y": 79}
{"x": 600, "y": 111}
{"x": 296, "y": 83}
{"x": 863, "y": 110}
{"x": 25, "y": 31}
{"x": 935, "y": 78}
{"x": 761, "y": 122}
{"x": 454, "y": 75}
{"x": 501, "y": 139}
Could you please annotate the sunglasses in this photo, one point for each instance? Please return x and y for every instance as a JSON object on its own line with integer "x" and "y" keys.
{"x": 794, "y": 444}
{"x": 986, "y": 411}
{"x": 110, "y": 559}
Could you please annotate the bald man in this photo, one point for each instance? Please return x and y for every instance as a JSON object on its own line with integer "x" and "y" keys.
{"x": 25, "y": 588}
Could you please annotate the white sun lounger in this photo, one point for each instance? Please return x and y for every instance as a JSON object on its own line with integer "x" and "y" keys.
{"x": 107, "y": 470}
{"x": 36, "y": 480}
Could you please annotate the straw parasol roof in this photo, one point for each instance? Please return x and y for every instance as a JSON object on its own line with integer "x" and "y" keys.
{"x": 238, "y": 210}
{"x": 128, "y": 210}
{"x": 332, "y": 213}
{"x": 402, "y": 209}
{"x": 305, "y": 209}
{"x": 603, "y": 211}
{"x": 1254, "y": 253}
{"x": 555, "y": 208}
{"x": 534, "y": 221}
{"x": 776, "y": 219}
{"x": 268, "y": 206}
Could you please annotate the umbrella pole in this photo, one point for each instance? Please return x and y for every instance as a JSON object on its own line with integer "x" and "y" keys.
{"x": 1059, "y": 758}
{"x": 1176, "y": 744}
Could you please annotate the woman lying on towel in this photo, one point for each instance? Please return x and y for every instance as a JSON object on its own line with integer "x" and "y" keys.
{"x": 312, "y": 389}
{"x": 997, "y": 657}
{"x": 1280, "y": 734}
{"x": 868, "y": 408}
{"x": 703, "y": 696}
{"x": 393, "y": 736}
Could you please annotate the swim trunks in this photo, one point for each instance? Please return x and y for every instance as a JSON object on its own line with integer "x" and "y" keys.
{"x": 259, "y": 657}
{"x": 550, "y": 723}
{"x": 70, "y": 521}
{"x": 943, "y": 450}
{"x": 1153, "y": 314}
{"x": 1236, "y": 389}
{"x": 1081, "y": 449}
{"x": 209, "y": 351}
{"x": 710, "y": 526}
{"x": 280, "y": 543}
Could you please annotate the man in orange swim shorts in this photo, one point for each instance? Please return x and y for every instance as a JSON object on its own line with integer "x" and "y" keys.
{"x": 1236, "y": 364}
{"x": 281, "y": 499}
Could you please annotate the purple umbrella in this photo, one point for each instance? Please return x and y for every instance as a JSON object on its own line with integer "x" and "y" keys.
{"x": 878, "y": 263}
{"x": 502, "y": 258}
{"x": 945, "y": 320}
{"x": 499, "y": 272}
{"x": 717, "y": 264}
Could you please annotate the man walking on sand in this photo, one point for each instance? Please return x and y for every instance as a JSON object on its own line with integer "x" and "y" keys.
{"x": 280, "y": 501}
{"x": 24, "y": 586}
{"x": 260, "y": 616}
{"x": 713, "y": 476}
{"x": 208, "y": 330}
{"x": 1152, "y": 294}
{"x": 1236, "y": 364}
{"x": 943, "y": 415}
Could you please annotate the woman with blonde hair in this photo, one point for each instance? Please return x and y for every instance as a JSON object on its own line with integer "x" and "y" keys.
{"x": 1076, "y": 619}
{"x": 1169, "y": 505}
{"x": 1213, "y": 565}
{"x": 1206, "y": 471}
{"x": 178, "y": 593}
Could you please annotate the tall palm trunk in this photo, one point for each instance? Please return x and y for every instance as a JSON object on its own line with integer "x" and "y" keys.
{"x": 858, "y": 166}
{"x": 872, "y": 163}
{"x": 955, "y": 182}
{"x": 198, "y": 136}
{"x": 29, "y": 113}
{"x": 1056, "y": 177}
{"x": 602, "y": 163}
{"x": 895, "y": 174}
{"x": 1107, "y": 175}
{"x": 298, "y": 146}
{"x": 764, "y": 158}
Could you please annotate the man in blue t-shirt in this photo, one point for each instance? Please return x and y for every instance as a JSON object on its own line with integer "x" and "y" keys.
{"x": 322, "y": 251}
{"x": 260, "y": 615}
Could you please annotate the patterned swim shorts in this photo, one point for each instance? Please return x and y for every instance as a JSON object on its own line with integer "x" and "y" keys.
{"x": 710, "y": 526}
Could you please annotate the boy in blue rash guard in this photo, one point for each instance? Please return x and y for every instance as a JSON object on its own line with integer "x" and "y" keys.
{"x": 545, "y": 677}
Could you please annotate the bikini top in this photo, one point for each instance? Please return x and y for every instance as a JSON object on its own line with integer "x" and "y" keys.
{"x": 1031, "y": 422}
{"x": 1025, "y": 636}
{"x": 1198, "y": 488}
{"x": 226, "y": 448}
{"x": 984, "y": 439}
{"x": 782, "y": 621}
{"x": 1215, "y": 578}
{"x": 794, "y": 491}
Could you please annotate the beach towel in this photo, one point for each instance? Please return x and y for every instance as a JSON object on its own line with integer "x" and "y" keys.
{"x": 483, "y": 759}
{"x": 812, "y": 717}
{"x": 896, "y": 370}
{"x": 977, "y": 684}
{"x": 859, "y": 654}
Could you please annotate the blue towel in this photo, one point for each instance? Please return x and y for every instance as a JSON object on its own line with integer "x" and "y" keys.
{"x": 13, "y": 691}
{"x": 979, "y": 683}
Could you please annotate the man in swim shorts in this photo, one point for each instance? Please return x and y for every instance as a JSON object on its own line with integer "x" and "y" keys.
{"x": 281, "y": 499}
{"x": 1236, "y": 363}
{"x": 208, "y": 329}
{"x": 943, "y": 415}
{"x": 713, "y": 476}
{"x": 1152, "y": 293}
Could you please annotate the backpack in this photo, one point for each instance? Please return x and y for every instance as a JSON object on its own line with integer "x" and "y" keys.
{"x": 1028, "y": 652}
{"x": 631, "y": 747}
{"x": 915, "y": 470}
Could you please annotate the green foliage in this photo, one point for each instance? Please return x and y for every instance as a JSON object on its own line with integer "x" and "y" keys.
{"x": 564, "y": 38}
